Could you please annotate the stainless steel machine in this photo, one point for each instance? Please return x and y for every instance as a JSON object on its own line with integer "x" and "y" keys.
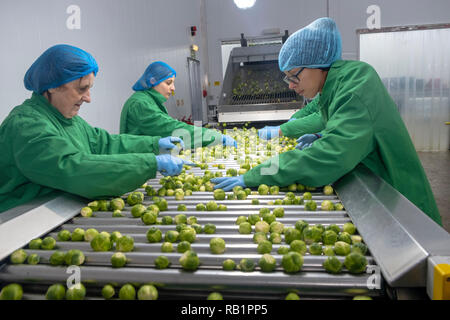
{"x": 408, "y": 253}
{"x": 253, "y": 87}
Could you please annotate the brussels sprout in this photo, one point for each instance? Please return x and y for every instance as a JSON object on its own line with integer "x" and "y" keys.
{"x": 328, "y": 250}
{"x": 162, "y": 205}
{"x": 329, "y": 237}
{"x": 310, "y": 205}
{"x": 167, "y": 220}
{"x": 359, "y": 247}
{"x": 183, "y": 246}
{"x": 101, "y": 242}
{"x": 253, "y": 218}
{"x": 189, "y": 260}
{"x": 355, "y": 262}
{"x": 115, "y": 235}
{"x": 179, "y": 195}
{"x": 181, "y": 226}
{"x": 19, "y": 256}
{"x": 117, "y": 214}
{"x": 211, "y": 206}
{"x": 55, "y": 292}
{"x": 263, "y": 211}
{"x": 78, "y": 234}
{"x": 277, "y": 227}
{"x": 209, "y": 228}
{"x": 264, "y": 246}
{"x": 57, "y": 258}
{"x": 217, "y": 245}
{"x": 328, "y": 190}
{"x": 103, "y": 205}
{"x": 262, "y": 226}
{"x": 231, "y": 172}
{"x": 74, "y": 257}
{"x": 33, "y": 259}
{"x": 108, "y": 291}
{"x": 278, "y": 212}
{"x": 116, "y": 204}
{"x": 312, "y": 234}
{"x": 180, "y": 218}
{"x": 162, "y": 262}
{"x": 76, "y": 292}
{"x": 118, "y": 260}
{"x": 147, "y": 292}
{"x": 292, "y": 262}
{"x": 94, "y": 205}
{"x": 339, "y": 207}
{"x": 333, "y": 227}
{"x": 275, "y": 238}
{"x": 278, "y": 202}
{"x": 300, "y": 225}
{"x": 255, "y": 201}
{"x": 315, "y": 248}
{"x": 125, "y": 244}
{"x": 241, "y": 195}
{"x": 188, "y": 234}
{"x": 292, "y": 296}
{"x": 349, "y": 228}
{"x": 362, "y": 298}
{"x": 11, "y": 291}
{"x": 241, "y": 219}
{"x": 198, "y": 228}
{"x": 263, "y": 189}
{"x": 332, "y": 265}
{"x": 154, "y": 235}
{"x": 200, "y": 207}
{"x": 154, "y": 208}
{"x": 269, "y": 218}
{"x": 127, "y": 292}
{"x": 355, "y": 238}
{"x": 345, "y": 237}
{"x": 282, "y": 250}
{"x": 259, "y": 236}
{"x": 307, "y": 196}
{"x": 135, "y": 198}
{"x": 327, "y": 205}
{"x": 171, "y": 236}
{"x": 298, "y": 246}
{"x": 214, "y": 296}
{"x": 64, "y": 235}
{"x": 219, "y": 194}
{"x": 222, "y": 207}
{"x": 167, "y": 247}
{"x": 149, "y": 217}
{"x": 246, "y": 265}
{"x": 298, "y": 201}
{"x": 342, "y": 248}
{"x": 86, "y": 212}
{"x": 274, "y": 190}
{"x": 228, "y": 265}
{"x": 267, "y": 263}
{"x": 291, "y": 234}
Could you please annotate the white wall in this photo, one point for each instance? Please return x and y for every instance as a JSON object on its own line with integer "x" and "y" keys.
{"x": 123, "y": 36}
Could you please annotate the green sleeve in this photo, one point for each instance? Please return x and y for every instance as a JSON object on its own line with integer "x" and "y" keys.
{"x": 347, "y": 140}
{"x": 310, "y": 108}
{"x": 47, "y": 157}
{"x": 150, "y": 120}
{"x": 311, "y": 123}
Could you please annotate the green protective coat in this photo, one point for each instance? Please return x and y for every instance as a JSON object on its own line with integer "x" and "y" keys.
{"x": 362, "y": 128}
{"x": 43, "y": 152}
{"x": 145, "y": 114}
{"x": 309, "y": 120}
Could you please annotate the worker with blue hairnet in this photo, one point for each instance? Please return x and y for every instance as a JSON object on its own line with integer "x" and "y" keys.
{"x": 362, "y": 128}
{"x": 144, "y": 112}
{"x": 47, "y": 148}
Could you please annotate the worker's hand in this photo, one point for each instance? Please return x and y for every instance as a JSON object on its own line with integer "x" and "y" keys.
{"x": 268, "y": 132}
{"x": 228, "y": 183}
{"x": 167, "y": 144}
{"x": 228, "y": 141}
{"x": 307, "y": 140}
{"x": 169, "y": 165}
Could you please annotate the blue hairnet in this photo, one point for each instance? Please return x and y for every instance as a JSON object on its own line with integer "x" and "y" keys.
{"x": 317, "y": 45}
{"x": 155, "y": 73}
{"x": 58, "y": 65}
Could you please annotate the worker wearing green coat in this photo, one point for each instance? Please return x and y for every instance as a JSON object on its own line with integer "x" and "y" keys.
{"x": 362, "y": 125}
{"x": 47, "y": 148}
{"x": 144, "y": 112}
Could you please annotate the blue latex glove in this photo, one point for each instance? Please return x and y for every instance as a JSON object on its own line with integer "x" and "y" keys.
{"x": 228, "y": 183}
{"x": 228, "y": 141}
{"x": 169, "y": 165}
{"x": 292, "y": 119}
{"x": 268, "y": 132}
{"x": 306, "y": 140}
{"x": 166, "y": 144}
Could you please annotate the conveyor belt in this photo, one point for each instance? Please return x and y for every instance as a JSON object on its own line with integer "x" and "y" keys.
{"x": 311, "y": 282}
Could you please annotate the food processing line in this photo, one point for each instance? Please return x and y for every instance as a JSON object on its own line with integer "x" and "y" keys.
{"x": 408, "y": 253}
{"x": 253, "y": 88}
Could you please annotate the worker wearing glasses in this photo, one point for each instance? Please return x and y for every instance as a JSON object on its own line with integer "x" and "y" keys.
{"x": 361, "y": 127}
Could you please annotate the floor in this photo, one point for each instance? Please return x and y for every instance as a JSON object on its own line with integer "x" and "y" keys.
{"x": 437, "y": 168}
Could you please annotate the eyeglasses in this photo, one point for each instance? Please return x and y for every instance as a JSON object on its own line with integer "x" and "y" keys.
{"x": 294, "y": 78}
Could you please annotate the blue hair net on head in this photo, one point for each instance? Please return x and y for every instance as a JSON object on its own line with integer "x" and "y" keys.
{"x": 58, "y": 65}
{"x": 317, "y": 45}
{"x": 155, "y": 73}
